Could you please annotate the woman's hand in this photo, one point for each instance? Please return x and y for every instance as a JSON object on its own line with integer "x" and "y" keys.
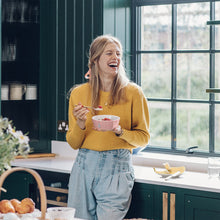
{"x": 80, "y": 113}
{"x": 118, "y": 130}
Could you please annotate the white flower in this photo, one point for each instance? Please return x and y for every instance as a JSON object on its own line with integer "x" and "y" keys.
{"x": 23, "y": 139}
{"x": 12, "y": 131}
{"x": 12, "y": 143}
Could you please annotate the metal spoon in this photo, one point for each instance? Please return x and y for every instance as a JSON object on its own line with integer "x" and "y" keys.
{"x": 99, "y": 108}
{"x": 173, "y": 175}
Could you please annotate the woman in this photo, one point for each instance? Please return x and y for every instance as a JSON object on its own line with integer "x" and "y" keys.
{"x": 102, "y": 176}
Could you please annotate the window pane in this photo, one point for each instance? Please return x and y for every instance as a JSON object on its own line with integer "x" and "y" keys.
{"x": 217, "y": 27}
{"x": 156, "y": 75}
{"x": 217, "y": 10}
{"x": 217, "y": 74}
{"x": 217, "y": 128}
{"x": 192, "y": 76}
{"x": 192, "y": 31}
{"x": 160, "y": 125}
{"x": 156, "y": 27}
{"x": 193, "y": 125}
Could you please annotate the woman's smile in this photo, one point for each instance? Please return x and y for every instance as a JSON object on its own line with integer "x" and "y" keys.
{"x": 110, "y": 59}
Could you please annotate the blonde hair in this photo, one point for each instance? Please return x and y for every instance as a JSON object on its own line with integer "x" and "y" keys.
{"x": 117, "y": 93}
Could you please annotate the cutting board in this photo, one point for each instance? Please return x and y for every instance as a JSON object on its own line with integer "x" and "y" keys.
{"x": 40, "y": 155}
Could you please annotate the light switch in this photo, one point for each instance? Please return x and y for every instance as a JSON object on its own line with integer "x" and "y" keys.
{"x": 62, "y": 126}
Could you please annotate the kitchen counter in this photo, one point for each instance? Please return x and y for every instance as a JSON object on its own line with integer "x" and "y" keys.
{"x": 143, "y": 174}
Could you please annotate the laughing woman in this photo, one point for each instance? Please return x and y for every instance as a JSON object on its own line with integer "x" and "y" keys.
{"x": 102, "y": 176}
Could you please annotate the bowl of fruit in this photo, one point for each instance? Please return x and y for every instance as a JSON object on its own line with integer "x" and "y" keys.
{"x": 105, "y": 122}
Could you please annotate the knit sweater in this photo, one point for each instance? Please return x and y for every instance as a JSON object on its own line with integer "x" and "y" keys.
{"x": 134, "y": 120}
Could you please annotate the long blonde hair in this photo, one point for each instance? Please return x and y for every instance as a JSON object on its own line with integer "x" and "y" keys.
{"x": 117, "y": 93}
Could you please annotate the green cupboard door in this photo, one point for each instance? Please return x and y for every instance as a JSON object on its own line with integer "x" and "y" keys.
{"x": 19, "y": 186}
{"x": 201, "y": 208}
{"x": 142, "y": 204}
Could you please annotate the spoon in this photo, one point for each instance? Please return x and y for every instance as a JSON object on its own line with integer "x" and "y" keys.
{"x": 99, "y": 108}
{"x": 173, "y": 175}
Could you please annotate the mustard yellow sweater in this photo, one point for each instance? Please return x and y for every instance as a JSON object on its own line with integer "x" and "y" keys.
{"x": 134, "y": 120}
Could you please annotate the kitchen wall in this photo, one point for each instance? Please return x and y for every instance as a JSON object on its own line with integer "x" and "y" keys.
{"x": 73, "y": 25}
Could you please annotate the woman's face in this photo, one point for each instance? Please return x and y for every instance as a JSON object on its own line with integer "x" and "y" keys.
{"x": 109, "y": 61}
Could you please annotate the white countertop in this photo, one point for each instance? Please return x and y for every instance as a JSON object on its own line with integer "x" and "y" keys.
{"x": 143, "y": 174}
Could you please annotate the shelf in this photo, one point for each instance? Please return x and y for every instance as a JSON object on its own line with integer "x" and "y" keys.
{"x": 52, "y": 202}
{"x": 213, "y": 90}
{"x": 53, "y": 189}
{"x": 213, "y": 22}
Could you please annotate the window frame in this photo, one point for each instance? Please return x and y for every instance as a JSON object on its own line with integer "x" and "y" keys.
{"x": 136, "y": 67}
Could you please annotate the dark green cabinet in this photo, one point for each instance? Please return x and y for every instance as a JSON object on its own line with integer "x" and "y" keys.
{"x": 19, "y": 185}
{"x": 143, "y": 202}
{"x": 163, "y": 202}
{"x": 56, "y": 186}
{"x": 21, "y": 76}
{"x": 201, "y": 208}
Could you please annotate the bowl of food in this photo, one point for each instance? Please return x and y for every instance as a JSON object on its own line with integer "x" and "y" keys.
{"x": 62, "y": 213}
{"x": 105, "y": 122}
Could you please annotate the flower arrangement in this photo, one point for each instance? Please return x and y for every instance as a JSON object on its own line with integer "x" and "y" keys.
{"x": 12, "y": 143}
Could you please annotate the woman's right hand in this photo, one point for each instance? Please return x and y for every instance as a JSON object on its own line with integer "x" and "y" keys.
{"x": 80, "y": 113}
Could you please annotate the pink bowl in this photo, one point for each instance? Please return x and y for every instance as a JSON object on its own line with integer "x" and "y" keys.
{"x": 105, "y": 122}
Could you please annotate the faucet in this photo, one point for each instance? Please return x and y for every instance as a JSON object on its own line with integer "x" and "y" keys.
{"x": 190, "y": 150}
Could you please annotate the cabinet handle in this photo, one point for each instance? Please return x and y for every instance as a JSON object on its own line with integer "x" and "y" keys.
{"x": 172, "y": 206}
{"x": 165, "y": 206}
{"x": 53, "y": 189}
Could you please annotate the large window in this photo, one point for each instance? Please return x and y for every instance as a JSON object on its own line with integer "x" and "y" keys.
{"x": 177, "y": 59}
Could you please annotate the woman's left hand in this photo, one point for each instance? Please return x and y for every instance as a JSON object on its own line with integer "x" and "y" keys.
{"x": 118, "y": 130}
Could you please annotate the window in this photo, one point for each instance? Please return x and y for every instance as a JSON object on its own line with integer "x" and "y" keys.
{"x": 177, "y": 59}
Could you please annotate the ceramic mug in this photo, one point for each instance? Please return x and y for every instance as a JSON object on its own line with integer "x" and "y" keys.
{"x": 31, "y": 92}
{"x": 17, "y": 90}
{"x": 4, "y": 92}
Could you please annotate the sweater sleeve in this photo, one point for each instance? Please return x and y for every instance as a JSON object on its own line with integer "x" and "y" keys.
{"x": 139, "y": 135}
{"x": 75, "y": 135}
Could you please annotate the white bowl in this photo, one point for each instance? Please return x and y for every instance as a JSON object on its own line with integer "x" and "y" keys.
{"x": 62, "y": 213}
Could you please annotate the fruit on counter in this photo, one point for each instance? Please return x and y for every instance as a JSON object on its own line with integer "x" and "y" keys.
{"x": 170, "y": 170}
{"x": 27, "y": 205}
{"x": 161, "y": 171}
{"x": 173, "y": 170}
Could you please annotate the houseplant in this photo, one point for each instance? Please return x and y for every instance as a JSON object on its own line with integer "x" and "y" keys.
{"x": 12, "y": 143}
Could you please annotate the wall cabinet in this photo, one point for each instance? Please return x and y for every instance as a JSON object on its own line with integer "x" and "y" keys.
{"x": 20, "y": 34}
{"x": 22, "y": 69}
